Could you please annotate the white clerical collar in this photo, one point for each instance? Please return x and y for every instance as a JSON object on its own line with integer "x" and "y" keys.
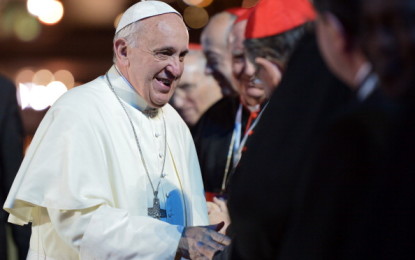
{"x": 366, "y": 81}
{"x": 367, "y": 87}
{"x": 127, "y": 93}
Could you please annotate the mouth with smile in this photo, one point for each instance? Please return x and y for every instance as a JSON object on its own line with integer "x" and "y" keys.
{"x": 164, "y": 83}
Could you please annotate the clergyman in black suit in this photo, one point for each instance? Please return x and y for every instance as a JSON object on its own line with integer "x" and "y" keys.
{"x": 262, "y": 190}
{"x": 358, "y": 201}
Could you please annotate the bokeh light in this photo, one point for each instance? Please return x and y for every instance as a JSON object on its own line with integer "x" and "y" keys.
{"x": 8, "y": 18}
{"x": 41, "y": 89}
{"x": 198, "y": 3}
{"x": 193, "y": 2}
{"x": 43, "y": 77}
{"x": 53, "y": 14}
{"x": 27, "y": 28}
{"x": 48, "y": 11}
{"x": 65, "y": 77}
{"x": 93, "y": 12}
{"x": 117, "y": 20}
{"x": 16, "y": 21}
{"x": 38, "y": 97}
{"x": 36, "y": 7}
{"x": 249, "y": 3}
{"x": 25, "y": 75}
{"x": 24, "y": 95}
{"x": 195, "y": 17}
{"x": 205, "y": 3}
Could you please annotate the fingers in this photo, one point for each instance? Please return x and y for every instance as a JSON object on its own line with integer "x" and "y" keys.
{"x": 212, "y": 241}
{"x": 211, "y": 246}
{"x": 216, "y": 227}
{"x": 212, "y": 207}
{"x": 220, "y": 238}
{"x": 204, "y": 251}
{"x": 221, "y": 204}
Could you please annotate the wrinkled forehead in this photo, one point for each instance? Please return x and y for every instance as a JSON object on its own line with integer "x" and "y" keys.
{"x": 170, "y": 19}
{"x": 170, "y": 26}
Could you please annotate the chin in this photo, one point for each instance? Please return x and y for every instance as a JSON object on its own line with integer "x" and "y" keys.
{"x": 256, "y": 93}
{"x": 158, "y": 103}
{"x": 160, "y": 100}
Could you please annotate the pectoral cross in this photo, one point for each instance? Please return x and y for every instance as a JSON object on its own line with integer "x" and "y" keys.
{"x": 156, "y": 211}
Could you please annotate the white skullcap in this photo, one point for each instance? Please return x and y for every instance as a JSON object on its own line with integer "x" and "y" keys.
{"x": 143, "y": 10}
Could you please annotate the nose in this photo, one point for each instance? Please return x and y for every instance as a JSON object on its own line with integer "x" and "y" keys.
{"x": 175, "y": 67}
{"x": 249, "y": 69}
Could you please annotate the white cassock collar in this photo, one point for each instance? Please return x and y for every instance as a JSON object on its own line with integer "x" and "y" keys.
{"x": 127, "y": 93}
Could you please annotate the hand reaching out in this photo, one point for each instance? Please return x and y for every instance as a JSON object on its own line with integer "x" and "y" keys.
{"x": 202, "y": 242}
{"x": 218, "y": 212}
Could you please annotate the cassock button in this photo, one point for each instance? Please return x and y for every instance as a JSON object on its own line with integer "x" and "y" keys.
{"x": 160, "y": 155}
{"x": 156, "y": 135}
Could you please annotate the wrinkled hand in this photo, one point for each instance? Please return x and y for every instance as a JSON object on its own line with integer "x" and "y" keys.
{"x": 218, "y": 212}
{"x": 202, "y": 242}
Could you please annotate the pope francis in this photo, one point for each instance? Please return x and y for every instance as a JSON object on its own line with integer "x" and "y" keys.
{"x": 112, "y": 171}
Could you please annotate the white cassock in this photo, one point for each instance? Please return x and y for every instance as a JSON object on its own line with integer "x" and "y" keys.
{"x": 83, "y": 186}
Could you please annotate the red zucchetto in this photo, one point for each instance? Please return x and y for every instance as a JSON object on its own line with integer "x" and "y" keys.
{"x": 273, "y": 17}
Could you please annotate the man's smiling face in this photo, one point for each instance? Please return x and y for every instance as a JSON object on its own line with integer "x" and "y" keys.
{"x": 157, "y": 59}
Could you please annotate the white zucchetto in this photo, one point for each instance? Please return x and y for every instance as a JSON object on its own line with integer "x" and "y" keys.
{"x": 143, "y": 10}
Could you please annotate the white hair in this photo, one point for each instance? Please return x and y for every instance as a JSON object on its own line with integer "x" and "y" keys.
{"x": 129, "y": 33}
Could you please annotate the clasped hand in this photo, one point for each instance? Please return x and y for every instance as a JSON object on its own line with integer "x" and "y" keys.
{"x": 202, "y": 242}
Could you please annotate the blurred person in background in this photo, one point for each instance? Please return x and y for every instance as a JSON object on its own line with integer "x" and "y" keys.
{"x": 358, "y": 202}
{"x": 11, "y": 155}
{"x": 196, "y": 91}
{"x": 246, "y": 106}
{"x": 273, "y": 39}
{"x": 215, "y": 134}
{"x": 112, "y": 172}
{"x": 214, "y": 39}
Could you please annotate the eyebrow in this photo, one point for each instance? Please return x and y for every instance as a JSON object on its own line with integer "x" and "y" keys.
{"x": 184, "y": 53}
{"x": 172, "y": 49}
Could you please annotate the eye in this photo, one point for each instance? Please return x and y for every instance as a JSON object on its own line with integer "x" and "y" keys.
{"x": 238, "y": 58}
{"x": 163, "y": 54}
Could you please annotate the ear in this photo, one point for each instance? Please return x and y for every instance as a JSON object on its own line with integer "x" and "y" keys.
{"x": 339, "y": 39}
{"x": 120, "y": 50}
{"x": 268, "y": 72}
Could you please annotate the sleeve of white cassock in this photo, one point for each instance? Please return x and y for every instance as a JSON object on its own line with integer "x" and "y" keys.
{"x": 110, "y": 233}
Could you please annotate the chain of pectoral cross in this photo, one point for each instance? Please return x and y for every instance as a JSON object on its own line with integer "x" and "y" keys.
{"x": 155, "y": 211}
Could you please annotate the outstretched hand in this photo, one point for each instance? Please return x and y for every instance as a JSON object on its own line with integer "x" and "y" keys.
{"x": 218, "y": 212}
{"x": 202, "y": 242}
